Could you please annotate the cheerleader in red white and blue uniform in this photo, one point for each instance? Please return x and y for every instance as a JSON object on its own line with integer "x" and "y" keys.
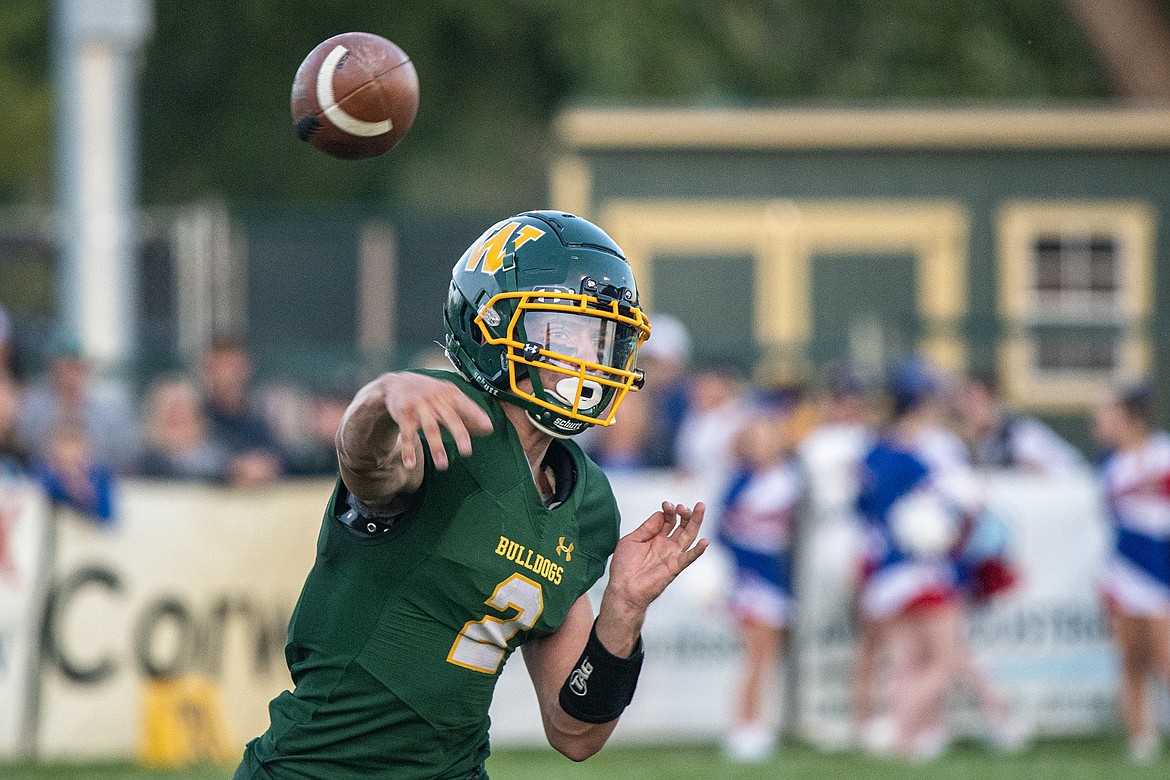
{"x": 755, "y": 527}
{"x": 1136, "y": 580}
{"x": 917, "y": 495}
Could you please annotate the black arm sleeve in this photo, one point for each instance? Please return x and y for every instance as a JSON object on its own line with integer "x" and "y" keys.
{"x": 601, "y": 685}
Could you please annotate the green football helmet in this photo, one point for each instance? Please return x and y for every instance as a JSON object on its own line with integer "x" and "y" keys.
{"x": 548, "y": 297}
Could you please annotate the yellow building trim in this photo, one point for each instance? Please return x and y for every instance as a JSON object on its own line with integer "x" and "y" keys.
{"x": 1019, "y": 223}
{"x": 963, "y": 128}
{"x": 571, "y": 184}
{"x": 783, "y": 236}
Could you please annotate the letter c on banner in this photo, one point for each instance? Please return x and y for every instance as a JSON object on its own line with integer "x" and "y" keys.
{"x": 59, "y": 601}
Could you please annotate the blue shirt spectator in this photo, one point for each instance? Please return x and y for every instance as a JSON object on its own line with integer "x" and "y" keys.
{"x": 70, "y": 476}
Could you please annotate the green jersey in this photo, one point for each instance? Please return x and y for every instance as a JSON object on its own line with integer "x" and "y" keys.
{"x": 398, "y": 638}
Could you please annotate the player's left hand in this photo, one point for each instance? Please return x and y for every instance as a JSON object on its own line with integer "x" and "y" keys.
{"x": 649, "y": 558}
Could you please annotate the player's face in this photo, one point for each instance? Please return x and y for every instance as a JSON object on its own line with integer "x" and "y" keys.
{"x": 578, "y": 337}
{"x": 573, "y": 335}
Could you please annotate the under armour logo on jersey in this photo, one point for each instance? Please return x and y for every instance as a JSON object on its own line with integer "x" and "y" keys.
{"x": 566, "y": 551}
{"x": 580, "y": 676}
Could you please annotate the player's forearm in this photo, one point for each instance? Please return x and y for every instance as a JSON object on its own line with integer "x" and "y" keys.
{"x": 572, "y": 738}
{"x": 601, "y": 683}
{"x": 619, "y": 624}
{"x": 368, "y": 448}
{"x": 549, "y": 663}
{"x": 368, "y": 435}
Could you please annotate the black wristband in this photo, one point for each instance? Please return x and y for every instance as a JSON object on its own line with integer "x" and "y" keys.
{"x": 601, "y": 685}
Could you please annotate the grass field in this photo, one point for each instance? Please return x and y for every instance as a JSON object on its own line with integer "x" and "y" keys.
{"x": 1096, "y": 759}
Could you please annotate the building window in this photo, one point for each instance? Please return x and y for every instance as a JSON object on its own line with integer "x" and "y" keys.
{"x": 1074, "y": 299}
{"x": 1076, "y": 350}
{"x": 1075, "y": 268}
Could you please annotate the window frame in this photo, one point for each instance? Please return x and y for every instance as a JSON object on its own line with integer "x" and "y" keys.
{"x": 1023, "y": 308}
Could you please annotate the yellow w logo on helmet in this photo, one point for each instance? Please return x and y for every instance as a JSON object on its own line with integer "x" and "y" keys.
{"x": 567, "y": 551}
{"x": 489, "y": 250}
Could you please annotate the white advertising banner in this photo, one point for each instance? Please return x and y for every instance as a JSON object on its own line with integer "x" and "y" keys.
{"x": 189, "y": 581}
{"x": 23, "y": 524}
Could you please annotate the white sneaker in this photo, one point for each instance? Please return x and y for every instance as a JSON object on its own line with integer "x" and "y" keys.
{"x": 1144, "y": 749}
{"x": 750, "y": 743}
{"x": 930, "y": 744}
{"x": 1010, "y": 735}
{"x": 878, "y": 736}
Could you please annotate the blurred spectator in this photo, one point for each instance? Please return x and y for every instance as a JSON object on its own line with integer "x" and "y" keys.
{"x": 236, "y": 422}
{"x": 8, "y": 356}
{"x": 71, "y": 475}
{"x": 287, "y": 410}
{"x": 1136, "y": 582}
{"x": 69, "y": 396}
{"x": 756, "y": 527}
{"x": 715, "y": 413}
{"x": 831, "y": 457}
{"x": 666, "y": 358}
{"x": 999, "y": 438}
{"x": 623, "y": 447}
{"x": 178, "y": 444}
{"x": 13, "y": 453}
{"x": 831, "y": 454}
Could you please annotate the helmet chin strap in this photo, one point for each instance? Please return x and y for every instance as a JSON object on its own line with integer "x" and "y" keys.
{"x": 565, "y": 391}
{"x": 547, "y": 429}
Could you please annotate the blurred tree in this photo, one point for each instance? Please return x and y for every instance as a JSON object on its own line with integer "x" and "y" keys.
{"x": 1132, "y": 39}
{"x": 217, "y": 77}
{"x": 26, "y": 102}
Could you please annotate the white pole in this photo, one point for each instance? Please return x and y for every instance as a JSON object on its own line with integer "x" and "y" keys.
{"x": 97, "y": 43}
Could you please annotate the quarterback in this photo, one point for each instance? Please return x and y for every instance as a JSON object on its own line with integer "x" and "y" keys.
{"x": 467, "y": 523}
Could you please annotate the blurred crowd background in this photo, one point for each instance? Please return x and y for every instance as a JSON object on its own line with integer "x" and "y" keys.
{"x": 215, "y": 423}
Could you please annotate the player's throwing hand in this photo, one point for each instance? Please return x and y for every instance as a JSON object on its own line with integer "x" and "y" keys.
{"x": 379, "y": 443}
{"x": 422, "y": 403}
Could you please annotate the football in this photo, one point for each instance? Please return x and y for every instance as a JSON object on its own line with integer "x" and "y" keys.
{"x": 354, "y": 96}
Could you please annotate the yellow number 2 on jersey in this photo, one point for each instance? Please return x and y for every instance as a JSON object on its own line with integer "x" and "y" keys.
{"x": 481, "y": 644}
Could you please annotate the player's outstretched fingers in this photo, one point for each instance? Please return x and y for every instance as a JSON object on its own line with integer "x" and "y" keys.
{"x": 690, "y": 524}
{"x": 670, "y": 514}
{"x": 684, "y": 515}
{"x": 474, "y": 417}
{"x": 409, "y": 445}
{"x": 690, "y": 556}
{"x": 450, "y": 419}
{"x": 652, "y": 526}
{"x": 429, "y": 424}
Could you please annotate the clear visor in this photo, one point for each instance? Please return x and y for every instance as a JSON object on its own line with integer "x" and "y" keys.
{"x": 585, "y": 338}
